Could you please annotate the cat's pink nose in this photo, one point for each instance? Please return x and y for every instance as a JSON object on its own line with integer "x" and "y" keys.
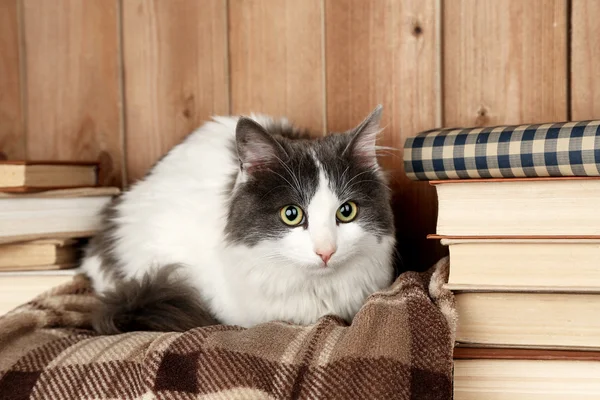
{"x": 326, "y": 253}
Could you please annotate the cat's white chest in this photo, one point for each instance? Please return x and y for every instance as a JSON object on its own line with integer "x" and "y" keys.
{"x": 248, "y": 295}
{"x": 249, "y": 304}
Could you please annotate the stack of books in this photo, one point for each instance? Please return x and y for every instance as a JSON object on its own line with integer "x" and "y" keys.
{"x": 47, "y": 210}
{"x": 519, "y": 209}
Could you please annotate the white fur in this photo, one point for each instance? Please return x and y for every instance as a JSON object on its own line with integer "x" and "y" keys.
{"x": 177, "y": 214}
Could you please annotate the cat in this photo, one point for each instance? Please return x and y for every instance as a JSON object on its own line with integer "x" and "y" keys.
{"x": 248, "y": 220}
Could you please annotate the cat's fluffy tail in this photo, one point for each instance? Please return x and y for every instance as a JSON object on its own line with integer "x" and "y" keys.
{"x": 160, "y": 301}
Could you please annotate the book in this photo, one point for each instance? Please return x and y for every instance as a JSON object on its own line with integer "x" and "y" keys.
{"x": 527, "y": 208}
{"x": 534, "y": 150}
{"x": 510, "y": 264}
{"x": 23, "y": 176}
{"x": 38, "y": 255}
{"x": 499, "y": 374}
{"x": 549, "y": 319}
{"x": 57, "y": 214}
{"x": 17, "y": 288}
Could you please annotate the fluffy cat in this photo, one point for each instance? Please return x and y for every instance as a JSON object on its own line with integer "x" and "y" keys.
{"x": 247, "y": 221}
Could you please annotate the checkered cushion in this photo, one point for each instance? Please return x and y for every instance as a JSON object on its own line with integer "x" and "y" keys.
{"x": 560, "y": 149}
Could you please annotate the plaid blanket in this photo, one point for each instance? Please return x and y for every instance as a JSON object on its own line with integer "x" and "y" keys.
{"x": 523, "y": 151}
{"x": 399, "y": 346}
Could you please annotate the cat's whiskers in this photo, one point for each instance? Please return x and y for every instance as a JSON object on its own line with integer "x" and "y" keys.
{"x": 387, "y": 148}
{"x": 294, "y": 177}
{"x": 347, "y": 189}
{"x": 288, "y": 182}
{"x": 345, "y": 172}
{"x": 276, "y": 187}
{"x": 352, "y": 179}
{"x": 289, "y": 261}
{"x": 389, "y": 154}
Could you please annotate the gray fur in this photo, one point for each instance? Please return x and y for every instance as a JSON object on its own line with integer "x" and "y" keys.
{"x": 161, "y": 301}
{"x": 103, "y": 243}
{"x": 291, "y": 176}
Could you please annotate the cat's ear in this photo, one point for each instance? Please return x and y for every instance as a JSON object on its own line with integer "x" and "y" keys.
{"x": 364, "y": 138}
{"x": 256, "y": 148}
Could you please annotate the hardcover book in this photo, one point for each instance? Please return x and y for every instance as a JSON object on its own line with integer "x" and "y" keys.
{"x": 512, "y": 264}
{"x": 547, "y": 318}
{"x": 529, "y": 207}
{"x": 534, "y": 150}
{"x": 38, "y": 255}
{"x": 24, "y": 176}
{"x": 513, "y": 374}
{"x": 20, "y": 287}
{"x": 70, "y": 213}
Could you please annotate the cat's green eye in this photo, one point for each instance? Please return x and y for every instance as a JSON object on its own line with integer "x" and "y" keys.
{"x": 347, "y": 212}
{"x": 292, "y": 215}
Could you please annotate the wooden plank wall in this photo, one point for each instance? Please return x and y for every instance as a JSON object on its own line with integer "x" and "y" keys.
{"x": 505, "y": 62}
{"x": 123, "y": 81}
{"x": 175, "y": 74}
{"x": 585, "y": 59}
{"x": 12, "y": 135}
{"x": 71, "y": 89}
{"x": 276, "y": 50}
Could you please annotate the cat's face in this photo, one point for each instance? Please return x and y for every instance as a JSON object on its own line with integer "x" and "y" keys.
{"x": 310, "y": 204}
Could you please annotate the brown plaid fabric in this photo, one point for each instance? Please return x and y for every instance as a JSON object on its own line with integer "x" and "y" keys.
{"x": 399, "y": 346}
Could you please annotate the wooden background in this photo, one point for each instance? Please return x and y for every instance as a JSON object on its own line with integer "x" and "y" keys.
{"x": 124, "y": 80}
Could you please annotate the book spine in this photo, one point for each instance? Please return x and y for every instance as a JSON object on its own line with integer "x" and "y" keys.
{"x": 525, "y": 151}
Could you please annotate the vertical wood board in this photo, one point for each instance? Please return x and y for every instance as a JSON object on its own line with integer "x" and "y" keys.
{"x": 72, "y": 92}
{"x": 505, "y": 62}
{"x": 175, "y": 74}
{"x": 277, "y": 59}
{"x": 12, "y": 137}
{"x": 585, "y": 59}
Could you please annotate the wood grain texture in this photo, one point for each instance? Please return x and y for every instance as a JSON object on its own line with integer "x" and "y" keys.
{"x": 277, "y": 59}
{"x": 387, "y": 52}
{"x": 585, "y": 58}
{"x": 175, "y": 60}
{"x": 12, "y": 138}
{"x": 505, "y": 62}
{"x": 73, "y": 100}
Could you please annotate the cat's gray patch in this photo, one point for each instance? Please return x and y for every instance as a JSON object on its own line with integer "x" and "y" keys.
{"x": 255, "y": 205}
{"x": 350, "y": 179}
{"x": 160, "y": 301}
{"x": 103, "y": 243}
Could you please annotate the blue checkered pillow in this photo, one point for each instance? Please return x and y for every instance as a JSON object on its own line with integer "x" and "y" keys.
{"x": 561, "y": 149}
